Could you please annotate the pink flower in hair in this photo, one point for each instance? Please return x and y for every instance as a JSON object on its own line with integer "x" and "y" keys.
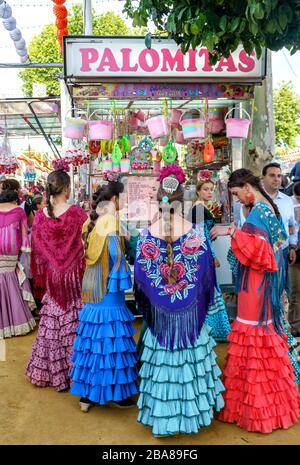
{"x": 204, "y": 175}
{"x": 111, "y": 176}
{"x": 172, "y": 170}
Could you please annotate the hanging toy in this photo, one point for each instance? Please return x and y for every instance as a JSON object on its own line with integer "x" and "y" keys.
{"x": 169, "y": 153}
{"x": 209, "y": 152}
{"x": 61, "y": 22}
{"x": 145, "y": 144}
{"x": 126, "y": 144}
{"x": 116, "y": 154}
{"x": 94, "y": 146}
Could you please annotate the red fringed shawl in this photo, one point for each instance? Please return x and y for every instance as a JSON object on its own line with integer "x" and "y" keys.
{"x": 57, "y": 258}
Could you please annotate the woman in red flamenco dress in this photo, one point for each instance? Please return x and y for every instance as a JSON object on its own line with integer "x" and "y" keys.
{"x": 261, "y": 394}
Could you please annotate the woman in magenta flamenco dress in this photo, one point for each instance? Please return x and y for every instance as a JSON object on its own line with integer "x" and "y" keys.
{"x": 16, "y": 300}
{"x": 57, "y": 266}
{"x": 261, "y": 394}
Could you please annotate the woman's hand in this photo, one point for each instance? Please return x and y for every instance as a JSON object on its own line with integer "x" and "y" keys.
{"x": 217, "y": 231}
{"x": 217, "y": 263}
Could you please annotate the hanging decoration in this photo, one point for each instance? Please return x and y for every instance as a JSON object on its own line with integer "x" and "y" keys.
{"x": 10, "y": 24}
{"x": 8, "y": 161}
{"x": 209, "y": 152}
{"x": 61, "y": 14}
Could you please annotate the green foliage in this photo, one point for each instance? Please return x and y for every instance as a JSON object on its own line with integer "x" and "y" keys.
{"x": 287, "y": 114}
{"x": 44, "y": 48}
{"x": 222, "y": 25}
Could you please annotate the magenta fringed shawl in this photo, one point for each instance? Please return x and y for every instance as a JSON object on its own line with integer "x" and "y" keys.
{"x": 57, "y": 260}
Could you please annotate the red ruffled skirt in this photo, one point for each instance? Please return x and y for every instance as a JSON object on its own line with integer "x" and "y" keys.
{"x": 261, "y": 394}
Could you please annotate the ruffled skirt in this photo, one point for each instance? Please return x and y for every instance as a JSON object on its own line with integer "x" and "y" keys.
{"x": 217, "y": 318}
{"x": 50, "y": 361}
{"x": 261, "y": 394}
{"x": 104, "y": 360}
{"x": 16, "y": 302}
{"x": 180, "y": 389}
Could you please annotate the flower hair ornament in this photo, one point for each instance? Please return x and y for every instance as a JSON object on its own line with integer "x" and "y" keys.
{"x": 170, "y": 177}
{"x": 204, "y": 175}
{"x": 111, "y": 176}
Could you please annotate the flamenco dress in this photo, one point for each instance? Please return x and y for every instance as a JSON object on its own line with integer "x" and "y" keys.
{"x": 104, "y": 360}
{"x": 217, "y": 316}
{"x": 180, "y": 380}
{"x": 261, "y": 394}
{"x": 57, "y": 265}
{"x": 16, "y": 300}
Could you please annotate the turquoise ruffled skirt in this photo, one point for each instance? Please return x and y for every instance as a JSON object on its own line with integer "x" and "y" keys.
{"x": 104, "y": 359}
{"x": 179, "y": 389}
{"x": 217, "y": 318}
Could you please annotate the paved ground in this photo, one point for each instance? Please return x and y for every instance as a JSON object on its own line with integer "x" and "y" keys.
{"x": 30, "y": 415}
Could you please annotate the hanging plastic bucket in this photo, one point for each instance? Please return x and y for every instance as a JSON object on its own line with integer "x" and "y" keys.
{"x": 74, "y": 127}
{"x": 175, "y": 116}
{"x": 106, "y": 165}
{"x": 140, "y": 115}
{"x": 193, "y": 128}
{"x": 125, "y": 165}
{"x": 100, "y": 129}
{"x": 158, "y": 126}
{"x": 237, "y": 127}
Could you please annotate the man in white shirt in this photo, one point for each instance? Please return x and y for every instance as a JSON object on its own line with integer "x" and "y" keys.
{"x": 271, "y": 180}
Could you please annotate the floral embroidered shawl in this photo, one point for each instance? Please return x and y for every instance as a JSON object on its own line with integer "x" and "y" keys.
{"x": 177, "y": 310}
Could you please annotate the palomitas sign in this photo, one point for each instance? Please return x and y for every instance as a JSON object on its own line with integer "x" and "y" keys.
{"x": 124, "y": 58}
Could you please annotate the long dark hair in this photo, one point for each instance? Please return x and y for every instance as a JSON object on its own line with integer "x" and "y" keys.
{"x": 243, "y": 176}
{"x": 103, "y": 194}
{"x": 56, "y": 183}
{"x": 175, "y": 197}
{"x": 9, "y": 196}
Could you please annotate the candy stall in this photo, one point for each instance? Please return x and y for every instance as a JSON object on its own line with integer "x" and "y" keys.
{"x": 132, "y": 110}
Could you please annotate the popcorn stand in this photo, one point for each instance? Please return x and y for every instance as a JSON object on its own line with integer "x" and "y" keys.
{"x": 132, "y": 110}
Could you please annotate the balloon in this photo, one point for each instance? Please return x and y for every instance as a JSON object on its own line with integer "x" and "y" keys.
{"x": 22, "y": 53}
{"x": 24, "y": 58}
{"x": 9, "y": 23}
{"x": 16, "y": 34}
{"x": 5, "y": 11}
{"x": 209, "y": 151}
{"x": 20, "y": 44}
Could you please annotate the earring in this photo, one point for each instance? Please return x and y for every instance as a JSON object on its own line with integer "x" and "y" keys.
{"x": 250, "y": 198}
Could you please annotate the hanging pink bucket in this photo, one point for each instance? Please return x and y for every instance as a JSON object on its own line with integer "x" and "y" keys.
{"x": 125, "y": 165}
{"x": 106, "y": 165}
{"x": 74, "y": 127}
{"x": 237, "y": 128}
{"x": 193, "y": 128}
{"x": 140, "y": 115}
{"x": 158, "y": 126}
{"x": 100, "y": 129}
{"x": 175, "y": 117}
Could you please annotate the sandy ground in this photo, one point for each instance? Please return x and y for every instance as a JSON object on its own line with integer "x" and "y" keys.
{"x": 31, "y": 415}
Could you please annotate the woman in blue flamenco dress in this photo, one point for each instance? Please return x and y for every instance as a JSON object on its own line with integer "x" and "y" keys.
{"x": 104, "y": 361}
{"x": 217, "y": 316}
{"x": 180, "y": 381}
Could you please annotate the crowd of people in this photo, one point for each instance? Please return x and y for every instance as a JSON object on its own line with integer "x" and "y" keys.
{"x": 79, "y": 274}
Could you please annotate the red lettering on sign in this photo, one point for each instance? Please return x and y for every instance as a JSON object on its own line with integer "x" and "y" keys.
{"x": 169, "y": 60}
{"x": 192, "y": 60}
{"x": 88, "y": 56}
{"x": 143, "y": 60}
{"x": 246, "y": 60}
{"x": 108, "y": 61}
{"x": 126, "y": 52}
{"x": 206, "y": 67}
{"x": 226, "y": 62}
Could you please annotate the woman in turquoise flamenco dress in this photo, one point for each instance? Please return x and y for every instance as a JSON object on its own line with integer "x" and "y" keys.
{"x": 180, "y": 386}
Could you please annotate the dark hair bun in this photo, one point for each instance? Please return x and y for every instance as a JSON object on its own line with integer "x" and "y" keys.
{"x": 8, "y": 195}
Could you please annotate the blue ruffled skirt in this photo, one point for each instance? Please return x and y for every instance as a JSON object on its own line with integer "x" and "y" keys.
{"x": 104, "y": 359}
{"x": 179, "y": 389}
{"x": 217, "y": 318}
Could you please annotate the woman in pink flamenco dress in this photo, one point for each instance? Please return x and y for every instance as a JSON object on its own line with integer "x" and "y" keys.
{"x": 57, "y": 265}
{"x": 261, "y": 394}
{"x": 16, "y": 300}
